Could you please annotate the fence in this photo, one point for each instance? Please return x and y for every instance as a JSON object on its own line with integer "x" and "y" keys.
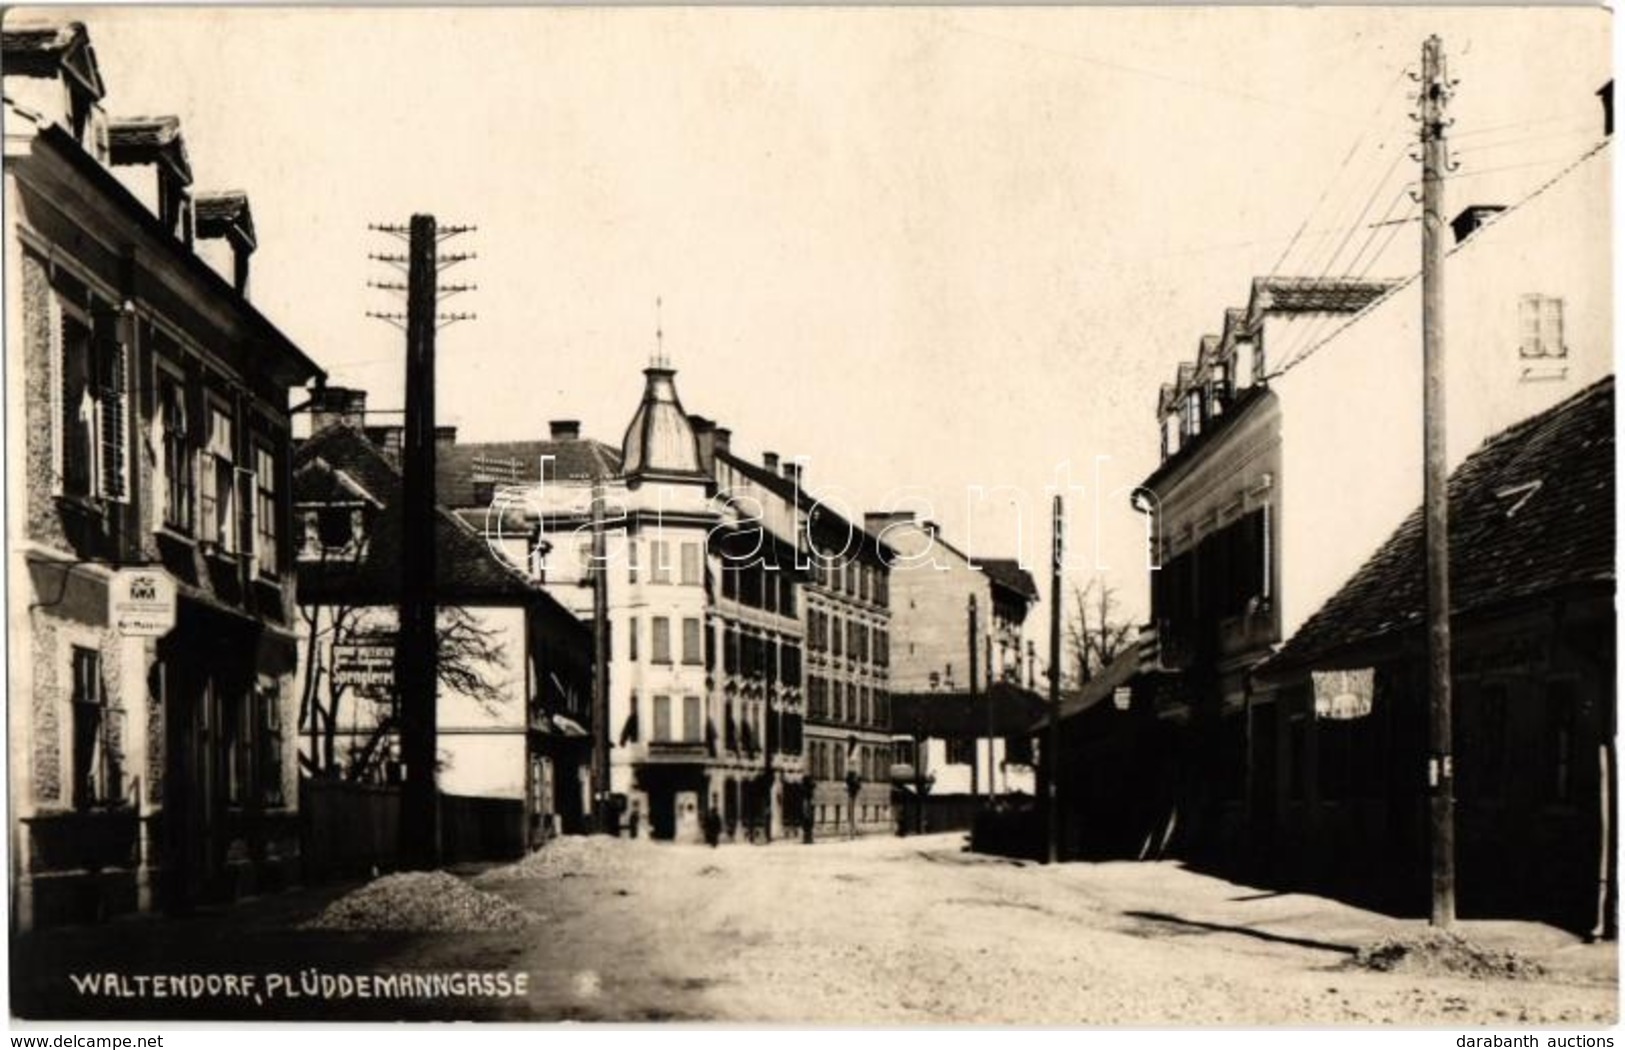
{"x": 351, "y": 829}
{"x": 348, "y": 829}
{"x": 481, "y": 828}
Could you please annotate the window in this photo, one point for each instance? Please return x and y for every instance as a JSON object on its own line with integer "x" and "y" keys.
{"x": 835, "y": 628}
{"x": 691, "y": 640}
{"x": 93, "y": 411}
{"x": 1540, "y": 327}
{"x": 335, "y": 527}
{"x": 662, "y": 730}
{"x": 218, "y": 500}
{"x": 265, "y": 513}
{"x": 660, "y": 638}
{"x": 239, "y": 732}
{"x": 1488, "y": 753}
{"x": 632, "y": 639}
{"x": 691, "y": 564}
{"x": 1561, "y": 722}
{"x": 270, "y": 742}
{"x": 631, "y": 560}
{"x": 98, "y": 765}
{"x": 177, "y": 485}
{"x": 691, "y": 719}
{"x": 961, "y": 752}
{"x": 660, "y": 555}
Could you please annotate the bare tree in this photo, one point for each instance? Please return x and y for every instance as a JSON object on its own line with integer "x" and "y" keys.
{"x": 1096, "y": 633}
{"x": 471, "y": 662}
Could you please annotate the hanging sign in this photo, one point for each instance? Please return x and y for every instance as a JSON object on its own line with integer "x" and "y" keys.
{"x": 141, "y": 603}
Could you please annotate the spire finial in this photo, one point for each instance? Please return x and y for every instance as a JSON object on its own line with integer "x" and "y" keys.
{"x": 660, "y": 337}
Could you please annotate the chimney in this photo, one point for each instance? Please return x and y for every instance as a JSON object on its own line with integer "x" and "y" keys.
{"x": 1472, "y": 217}
{"x": 389, "y": 439}
{"x": 931, "y": 528}
{"x": 770, "y": 460}
{"x": 792, "y": 471}
{"x": 1606, "y": 93}
{"x": 722, "y": 438}
{"x": 445, "y": 437}
{"x": 331, "y": 405}
{"x": 705, "y": 434}
{"x": 564, "y": 429}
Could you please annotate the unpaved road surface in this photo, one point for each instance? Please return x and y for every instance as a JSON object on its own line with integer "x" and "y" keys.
{"x": 880, "y": 931}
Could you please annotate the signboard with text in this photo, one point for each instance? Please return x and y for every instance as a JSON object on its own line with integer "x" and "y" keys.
{"x": 141, "y": 603}
{"x": 367, "y": 665}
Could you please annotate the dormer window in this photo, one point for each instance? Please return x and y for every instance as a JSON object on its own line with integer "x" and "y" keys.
{"x": 1194, "y": 414}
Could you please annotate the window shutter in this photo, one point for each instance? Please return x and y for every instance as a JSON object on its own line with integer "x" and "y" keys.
{"x": 247, "y": 493}
{"x": 113, "y": 426}
{"x": 58, "y": 387}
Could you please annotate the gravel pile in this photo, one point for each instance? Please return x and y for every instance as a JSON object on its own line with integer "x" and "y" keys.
{"x": 420, "y": 901}
{"x": 1438, "y": 953}
{"x": 572, "y": 855}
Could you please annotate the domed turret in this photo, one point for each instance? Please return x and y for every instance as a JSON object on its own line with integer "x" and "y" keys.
{"x": 660, "y": 441}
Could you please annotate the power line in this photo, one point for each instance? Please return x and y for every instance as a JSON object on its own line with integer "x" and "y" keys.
{"x": 1341, "y": 167}
{"x": 1094, "y": 60}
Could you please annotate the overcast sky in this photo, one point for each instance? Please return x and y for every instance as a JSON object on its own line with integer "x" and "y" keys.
{"x": 920, "y": 247}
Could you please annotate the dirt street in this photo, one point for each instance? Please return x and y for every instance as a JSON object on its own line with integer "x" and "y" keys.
{"x": 880, "y": 931}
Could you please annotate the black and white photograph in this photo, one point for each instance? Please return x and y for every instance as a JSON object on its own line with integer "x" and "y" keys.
{"x": 814, "y": 517}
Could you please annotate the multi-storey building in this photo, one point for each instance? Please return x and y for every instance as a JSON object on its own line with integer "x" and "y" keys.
{"x": 846, "y": 622}
{"x": 151, "y": 584}
{"x": 1313, "y": 384}
{"x": 947, "y": 609}
{"x": 704, "y": 686}
{"x": 514, "y": 665}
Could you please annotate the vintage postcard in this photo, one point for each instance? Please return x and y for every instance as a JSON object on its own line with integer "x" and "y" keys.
{"x": 878, "y": 516}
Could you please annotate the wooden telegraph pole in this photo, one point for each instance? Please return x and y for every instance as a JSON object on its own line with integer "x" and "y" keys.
{"x": 1052, "y": 746}
{"x": 970, "y": 649}
{"x": 1434, "y": 95}
{"x": 599, "y": 773}
{"x": 987, "y": 670}
{"x": 417, "y": 658}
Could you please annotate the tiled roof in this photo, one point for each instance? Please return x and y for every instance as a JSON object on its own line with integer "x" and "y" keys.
{"x": 465, "y": 566}
{"x": 517, "y": 462}
{"x": 1313, "y": 295}
{"x": 1119, "y": 672}
{"x": 317, "y": 481}
{"x": 947, "y": 715}
{"x": 1008, "y": 573}
{"x": 217, "y": 212}
{"x": 1531, "y": 513}
{"x": 140, "y": 140}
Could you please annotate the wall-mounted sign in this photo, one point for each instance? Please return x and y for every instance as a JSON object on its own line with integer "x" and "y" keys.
{"x": 1343, "y": 695}
{"x": 364, "y": 665}
{"x": 141, "y": 603}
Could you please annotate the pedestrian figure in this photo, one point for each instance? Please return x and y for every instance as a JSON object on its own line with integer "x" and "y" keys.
{"x": 633, "y": 820}
{"x": 713, "y": 827}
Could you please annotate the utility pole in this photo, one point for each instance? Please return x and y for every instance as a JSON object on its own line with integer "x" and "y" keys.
{"x": 1052, "y": 746}
{"x": 417, "y": 657}
{"x": 599, "y": 773}
{"x": 970, "y": 633}
{"x": 1434, "y": 95}
{"x": 992, "y": 759}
